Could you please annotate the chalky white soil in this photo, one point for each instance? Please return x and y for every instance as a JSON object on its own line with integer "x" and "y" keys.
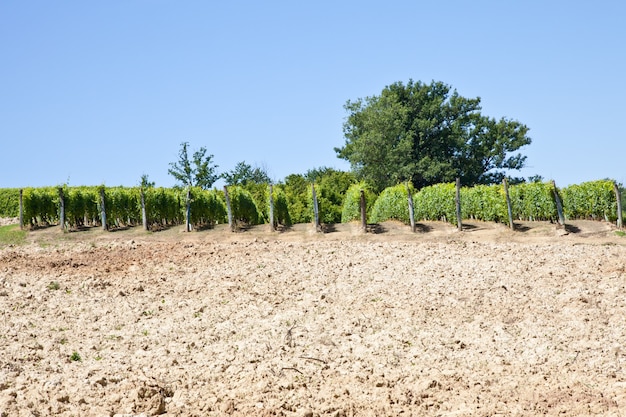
{"x": 482, "y": 322}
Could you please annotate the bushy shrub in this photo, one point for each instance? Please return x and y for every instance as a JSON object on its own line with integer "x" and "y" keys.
{"x": 484, "y": 202}
{"x": 207, "y": 207}
{"x": 392, "y": 204}
{"x": 41, "y": 206}
{"x": 281, "y": 206}
{"x": 164, "y": 206}
{"x": 243, "y": 206}
{"x": 352, "y": 202}
{"x": 436, "y": 202}
{"x": 330, "y": 190}
{"x": 590, "y": 200}
{"x": 81, "y": 206}
{"x": 9, "y": 202}
{"x": 297, "y": 192}
{"x": 533, "y": 201}
{"x": 123, "y": 206}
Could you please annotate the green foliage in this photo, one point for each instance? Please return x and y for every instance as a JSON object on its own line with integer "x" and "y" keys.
{"x": 330, "y": 190}
{"x": 428, "y": 134}
{"x": 12, "y": 235}
{"x": 41, "y": 206}
{"x": 484, "y": 202}
{"x": 9, "y": 202}
{"x": 281, "y": 207}
{"x": 352, "y": 202}
{"x": 145, "y": 182}
{"x": 297, "y": 192}
{"x": 123, "y": 206}
{"x": 256, "y": 181}
{"x": 200, "y": 171}
{"x": 81, "y": 205}
{"x": 338, "y": 196}
{"x": 75, "y": 357}
{"x": 392, "y": 204}
{"x": 207, "y": 207}
{"x": 590, "y": 200}
{"x": 533, "y": 201}
{"x": 436, "y": 202}
{"x": 260, "y": 196}
{"x": 243, "y": 206}
{"x": 163, "y": 206}
{"x": 244, "y": 174}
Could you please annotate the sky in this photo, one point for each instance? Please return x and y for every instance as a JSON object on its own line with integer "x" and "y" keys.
{"x": 104, "y": 92}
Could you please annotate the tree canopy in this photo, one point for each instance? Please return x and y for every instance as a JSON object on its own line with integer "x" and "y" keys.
{"x": 428, "y": 134}
{"x": 245, "y": 173}
{"x": 200, "y": 171}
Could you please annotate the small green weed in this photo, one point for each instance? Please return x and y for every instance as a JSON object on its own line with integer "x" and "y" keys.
{"x": 53, "y": 286}
{"x": 75, "y": 357}
{"x": 620, "y": 233}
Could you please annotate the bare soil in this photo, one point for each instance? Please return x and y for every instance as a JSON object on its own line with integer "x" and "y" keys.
{"x": 482, "y": 322}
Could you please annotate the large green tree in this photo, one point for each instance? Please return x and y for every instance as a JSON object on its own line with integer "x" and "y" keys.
{"x": 428, "y": 134}
{"x": 199, "y": 171}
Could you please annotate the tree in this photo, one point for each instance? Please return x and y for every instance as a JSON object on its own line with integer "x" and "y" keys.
{"x": 200, "y": 171}
{"x": 145, "y": 182}
{"x": 428, "y": 134}
{"x": 244, "y": 173}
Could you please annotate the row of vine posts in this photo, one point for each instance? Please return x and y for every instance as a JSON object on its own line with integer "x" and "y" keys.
{"x": 557, "y": 199}
{"x": 318, "y": 227}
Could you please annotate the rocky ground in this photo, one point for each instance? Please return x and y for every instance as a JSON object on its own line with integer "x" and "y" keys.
{"x": 483, "y": 322}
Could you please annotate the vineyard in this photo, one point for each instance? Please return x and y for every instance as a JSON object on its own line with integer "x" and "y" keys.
{"x": 158, "y": 208}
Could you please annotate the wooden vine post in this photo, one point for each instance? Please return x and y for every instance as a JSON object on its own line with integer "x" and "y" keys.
{"x": 144, "y": 217}
{"x": 103, "y": 213}
{"x": 61, "y": 209}
{"x": 21, "y": 209}
{"x": 411, "y": 208}
{"x": 458, "y": 204}
{"x": 363, "y": 212}
{"x": 188, "y": 211}
{"x": 559, "y": 204}
{"x": 618, "y": 196}
{"x": 272, "y": 227}
{"x": 316, "y": 212}
{"x": 229, "y": 210}
{"x": 508, "y": 203}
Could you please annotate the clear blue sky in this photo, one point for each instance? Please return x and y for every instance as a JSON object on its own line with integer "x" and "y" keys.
{"x": 102, "y": 92}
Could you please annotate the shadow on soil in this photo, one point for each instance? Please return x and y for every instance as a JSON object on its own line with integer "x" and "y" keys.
{"x": 572, "y": 229}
